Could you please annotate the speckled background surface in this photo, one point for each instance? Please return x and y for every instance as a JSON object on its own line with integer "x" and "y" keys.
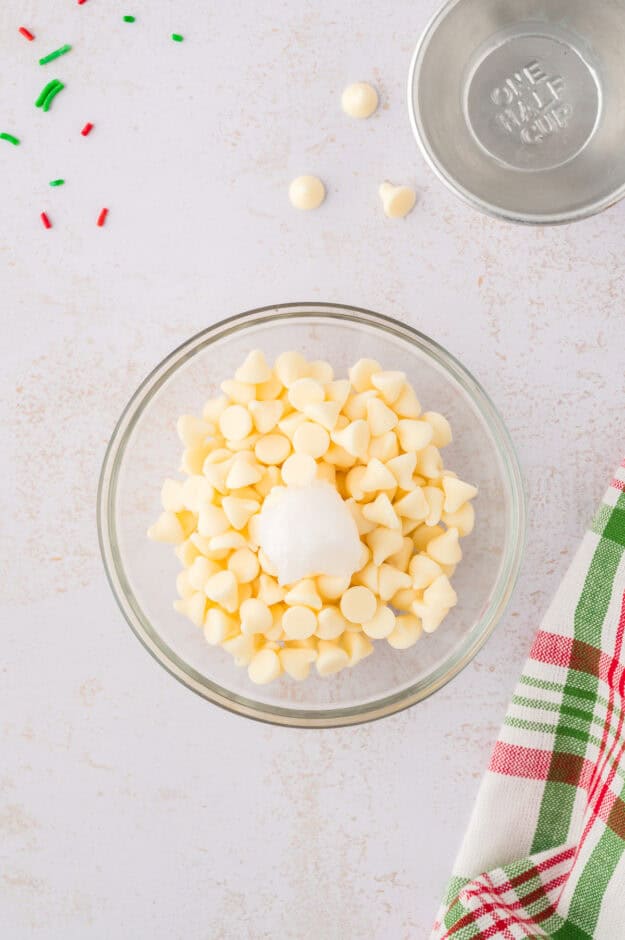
{"x": 128, "y": 806}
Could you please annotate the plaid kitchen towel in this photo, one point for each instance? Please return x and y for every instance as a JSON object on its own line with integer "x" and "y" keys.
{"x": 544, "y": 855}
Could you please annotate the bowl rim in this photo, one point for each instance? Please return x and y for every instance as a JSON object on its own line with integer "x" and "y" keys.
{"x": 282, "y": 715}
{"x": 450, "y": 181}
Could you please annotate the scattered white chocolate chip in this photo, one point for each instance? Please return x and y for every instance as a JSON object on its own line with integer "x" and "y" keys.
{"x": 397, "y": 201}
{"x": 306, "y": 192}
{"x": 359, "y": 100}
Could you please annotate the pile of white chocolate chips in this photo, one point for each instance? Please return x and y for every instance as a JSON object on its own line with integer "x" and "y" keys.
{"x": 315, "y": 516}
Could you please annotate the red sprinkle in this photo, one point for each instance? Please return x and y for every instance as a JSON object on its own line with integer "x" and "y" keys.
{"x": 46, "y": 221}
{"x": 88, "y": 127}
{"x": 27, "y": 33}
{"x": 102, "y": 217}
{"x": 80, "y": 2}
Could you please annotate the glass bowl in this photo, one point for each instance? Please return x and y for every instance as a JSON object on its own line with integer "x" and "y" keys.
{"x": 144, "y": 449}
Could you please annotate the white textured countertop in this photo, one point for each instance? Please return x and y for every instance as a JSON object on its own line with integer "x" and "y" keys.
{"x": 128, "y": 806}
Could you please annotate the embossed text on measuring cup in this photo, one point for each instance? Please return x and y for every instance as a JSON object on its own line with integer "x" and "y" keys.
{"x": 532, "y": 102}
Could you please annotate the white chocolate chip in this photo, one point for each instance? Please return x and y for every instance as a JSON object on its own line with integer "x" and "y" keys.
{"x": 358, "y": 604}
{"x": 299, "y": 470}
{"x": 235, "y": 423}
{"x": 299, "y": 623}
{"x": 397, "y": 201}
{"x": 381, "y": 624}
{"x": 384, "y": 543}
{"x": 212, "y": 520}
{"x": 241, "y": 393}
{"x": 385, "y": 447}
{"x": 338, "y": 392}
{"x": 377, "y": 477}
{"x": 413, "y": 505}
{"x": 243, "y": 648}
{"x": 429, "y": 463}
{"x": 331, "y": 587}
{"x": 406, "y": 632}
{"x": 402, "y": 468}
{"x": 357, "y": 646}
{"x": 243, "y": 472}
{"x": 289, "y": 367}
{"x": 423, "y": 571}
{"x": 196, "y": 608}
{"x": 266, "y": 414}
{"x": 445, "y": 549}
{"x": 305, "y": 392}
{"x": 197, "y": 492}
{"x": 391, "y": 580}
{"x": 389, "y": 384}
{"x": 321, "y": 371}
{"x": 440, "y": 593}
{"x": 407, "y": 405}
{"x": 264, "y": 667}
{"x": 239, "y": 511}
{"x": 369, "y": 577}
{"x": 431, "y": 617}
{"x": 355, "y": 408}
{"x": 380, "y": 417}
{"x": 244, "y": 565}
{"x": 312, "y": 439}
{"x": 218, "y": 626}
{"x": 254, "y": 370}
{"x": 325, "y": 413}
{"x": 296, "y": 662}
{"x": 223, "y": 589}
{"x": 306, "y": 192}
{"x": 361, "y": 372}
{"x": 331, "y": 623}
{"x": 167, "y": 528}
{"x": 269, "y": 590}
{"x": 272, "y": 449}
{"x": 184, "y": 585}
{"x": 255, "y": 616}
{"x": 414, "y": 435}
{"x": 227, "y": 542}
{"x": 354, "y": 438}
{"x": 441, "y": 428}
{"x": 457, "y": 493}
{"x": 434, "y": 498}
{"x": 193, "y": 431}
{"x": 331, "y": 658}
{"x": 213, "y": 408}
{"x": 304, "y": 593}
{"x": 359, "y": 100}
{"x": 463, "y": 519}
{"x": 381, "y": 511}
{"x": 200, "y": 571}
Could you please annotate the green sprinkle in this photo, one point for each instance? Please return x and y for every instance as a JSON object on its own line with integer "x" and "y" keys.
{"x": 52, "y": 95}
{"x": 45, "y": 92}
{"x": 55, "y": 54}
{"x": 11, "y": 139}
{"x": 57, "y": 182}
{"x": 177, "y": 37}
{"x": 129, "y": 19}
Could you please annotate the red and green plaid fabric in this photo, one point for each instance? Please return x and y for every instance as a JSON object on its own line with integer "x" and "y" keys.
{"x": 544, "y": 855}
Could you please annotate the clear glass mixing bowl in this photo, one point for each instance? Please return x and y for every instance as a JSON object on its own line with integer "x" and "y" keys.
{"x": 144, "y": 449}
